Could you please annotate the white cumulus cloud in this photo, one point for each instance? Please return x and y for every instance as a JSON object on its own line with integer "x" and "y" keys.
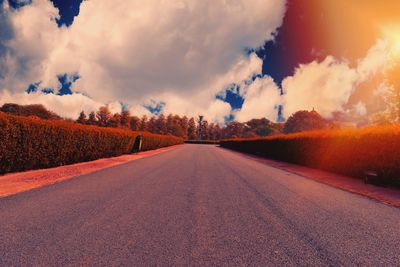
{"x": 135, "y": 51}
{"x": 261, "y": 100}
{"x": 326, "y": 86}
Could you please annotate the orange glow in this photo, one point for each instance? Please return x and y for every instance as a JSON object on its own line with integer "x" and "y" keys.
{"x": 354, "y": 26}
{"x": 349, "y": 151}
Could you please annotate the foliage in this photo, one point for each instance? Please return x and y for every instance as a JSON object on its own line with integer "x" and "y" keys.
{"x": 143, "y": 124}
{"x": 92, "y": 118}
{"x": 30, "y": 143}
{"x": 29, "y": 110}
{"x": 234, "y": 129}
{"x": 125, "y": 119}
{"x": 264, "y": 127}
{"x": 191, "y": 133}
{"x": 350, "y": 152}
{"x": 184, "y": 124}
{"x": 103, "y": 116}
{"x": 182, "y": 127}
{"x": 391, "y": 115}
{"x": 82, "y": 119}
{"x": 162, "y": 124}
{"x": 215, "y": 131}
{"x": 304, "y": 121}
{"x": 135, "y": 123}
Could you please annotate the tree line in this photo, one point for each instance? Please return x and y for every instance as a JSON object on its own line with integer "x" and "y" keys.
{"x": 199, "y": 128}
{"x": 181, "y": 126}
{"x": 188, "y": 128}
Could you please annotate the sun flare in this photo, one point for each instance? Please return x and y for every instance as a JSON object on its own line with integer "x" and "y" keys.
{"x": 392, "y": 35}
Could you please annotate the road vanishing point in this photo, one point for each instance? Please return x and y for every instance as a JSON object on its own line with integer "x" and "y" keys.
{"x": 196, "y": 205}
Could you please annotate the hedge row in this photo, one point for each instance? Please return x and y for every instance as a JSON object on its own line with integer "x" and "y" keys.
{"x": 31, "y": 143}
{"x": 350, "y": 152}
{"x": 203, "y": 142}
{"x": 153, "y": 141}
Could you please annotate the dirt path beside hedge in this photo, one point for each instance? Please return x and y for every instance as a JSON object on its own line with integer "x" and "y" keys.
{"x": 14, "y": 183}
{"x": 387, "y": 195}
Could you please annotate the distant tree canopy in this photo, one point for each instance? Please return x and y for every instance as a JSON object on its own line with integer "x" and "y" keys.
{"x": 264, "y": 127}
{"x": 125, "y": 119}
{"x": 200, "y": 129}
{"x": 92, "y": 118}
{"x": 197, "y": 128}
{"x": 191, "y": 132}
{"x": 304, "y": 121}
{"x": 29, "y": 110}
{"x": 82, "y": 119}
{"x": 103, "y": 116}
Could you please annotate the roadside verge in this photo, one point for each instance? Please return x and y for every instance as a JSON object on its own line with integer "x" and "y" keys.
{"x": 387, "y": 195}
{"x": 14, "y": 183}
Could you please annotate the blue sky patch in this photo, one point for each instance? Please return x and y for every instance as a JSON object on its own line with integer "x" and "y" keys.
{"x": 66, "y": 81}
{"x": 154, "y": 107}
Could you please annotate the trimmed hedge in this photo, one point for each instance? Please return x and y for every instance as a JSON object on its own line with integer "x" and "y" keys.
{"x": 30, "y": 143}
{"x": 350, "y": 152}
{"x": 202, "y": 142}
{"x": 153, "y": 141}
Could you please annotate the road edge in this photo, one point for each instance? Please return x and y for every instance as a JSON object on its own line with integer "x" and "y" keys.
{"x": 386, "y": 195}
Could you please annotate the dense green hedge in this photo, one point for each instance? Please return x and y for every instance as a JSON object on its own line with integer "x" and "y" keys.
{"x": 30, "y": 143}
{"x": 349, "y": 152}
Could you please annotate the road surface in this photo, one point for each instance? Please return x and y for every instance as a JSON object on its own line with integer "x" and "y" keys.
{"x": 196, "y": 205}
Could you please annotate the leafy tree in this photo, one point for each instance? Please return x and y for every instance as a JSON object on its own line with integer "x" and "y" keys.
{"x": 125, "y": 119}
{"x": 233, "y": 129}
{"x": 217, "y": 132}
{"x": 161, "y": 124}
{"x": 176, "y": 126}
{"x": 143, "y": 123}
{"x": 103, "y": 116}
{"x": 213, "y": 131}
{"x": 82, "y": 119}
{"x": 204, "y": 130}
{"x": 199, "y": 127}
{"x": 114, "y": 121}
{"x": 304, "y": 121}
{"x": 170, "y": 124}
{"x": 92, "y": 118}
{"x": 262, "y": 127}
{"x": 192, "y": 129}
{"x": 184, "y": 125}
{"x": 151, "y": 125}
{"x": 135, "y": 123}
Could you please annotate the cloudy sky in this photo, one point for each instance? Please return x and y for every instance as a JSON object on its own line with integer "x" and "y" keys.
{"x": 225, "y": 59}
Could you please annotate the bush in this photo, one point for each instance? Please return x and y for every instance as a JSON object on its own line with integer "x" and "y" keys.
{"x": 30, "y": 143}
{"x": 29, "y": 110}
{"x": 349, "y": 152}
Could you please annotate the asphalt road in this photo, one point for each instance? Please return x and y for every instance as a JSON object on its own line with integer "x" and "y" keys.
{"x": 197, "y": 205}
